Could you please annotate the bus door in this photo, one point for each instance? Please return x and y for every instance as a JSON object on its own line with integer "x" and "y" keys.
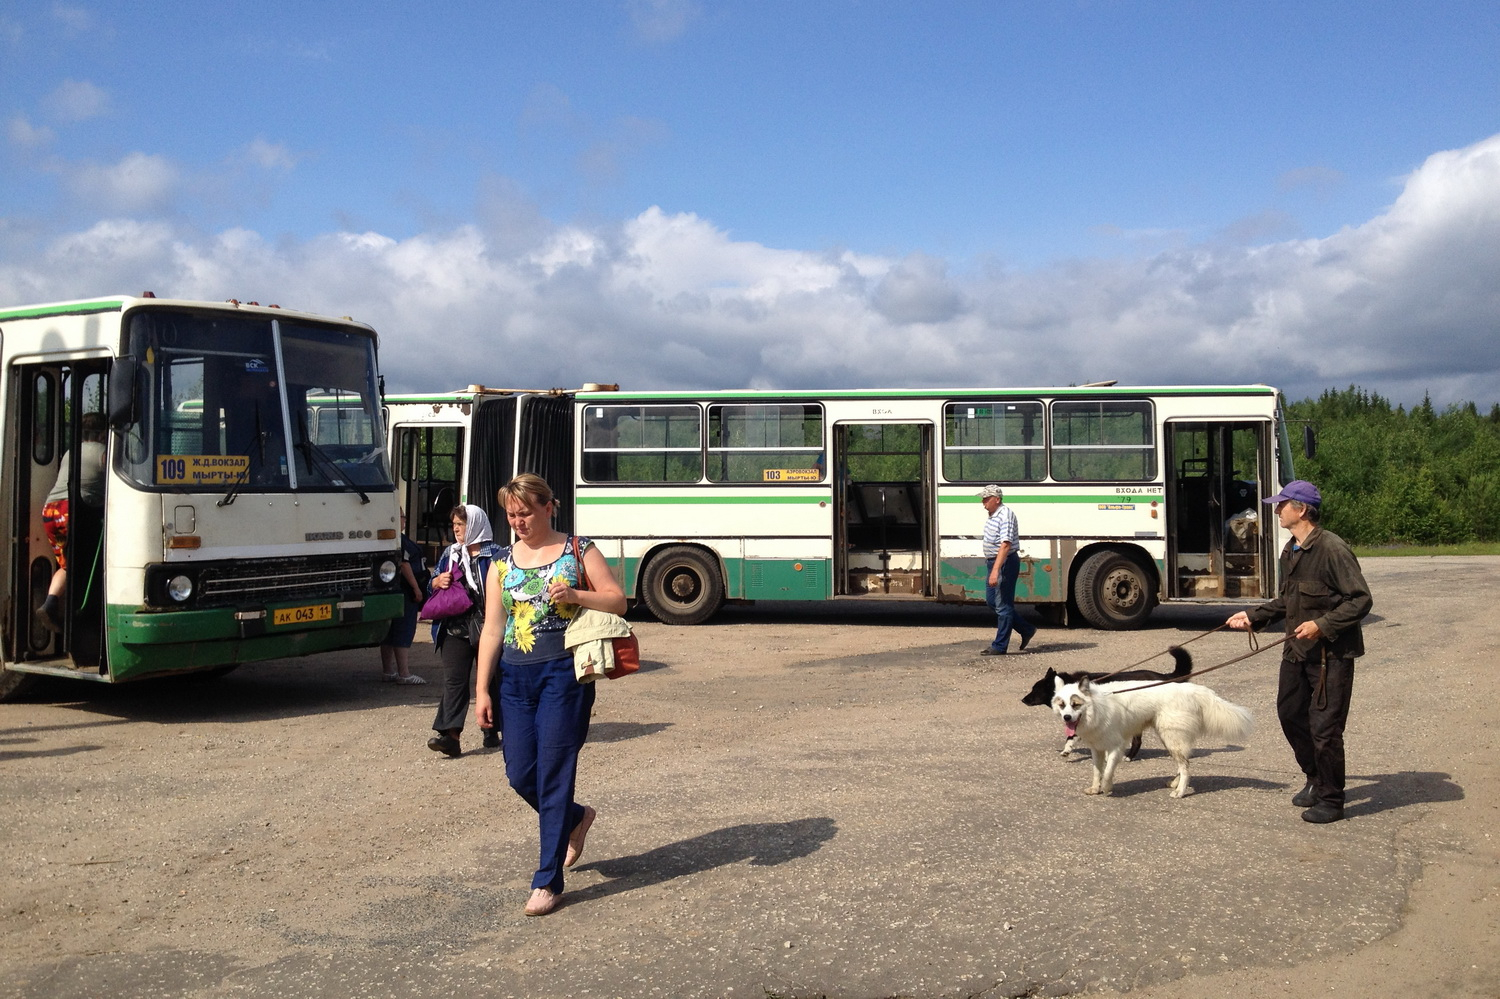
{"x": 429, "y": 482}
{"x": 60, "y": 431}
{"x": 884, "y": 521}
{"x": 1217, "y": 539}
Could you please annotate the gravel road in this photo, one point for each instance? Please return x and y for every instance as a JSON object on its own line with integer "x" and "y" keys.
{"x": 794, "y": 801}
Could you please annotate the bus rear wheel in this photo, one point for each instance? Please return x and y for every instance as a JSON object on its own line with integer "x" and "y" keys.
{"x": 1113, "y": 592}
{"x": 682, "y": 586}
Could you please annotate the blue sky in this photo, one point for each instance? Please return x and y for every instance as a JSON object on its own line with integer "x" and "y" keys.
{"x": 689, "y": 193}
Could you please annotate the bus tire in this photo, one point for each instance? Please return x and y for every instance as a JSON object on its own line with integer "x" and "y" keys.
{"x": 1114, "y": 592}
{"x": 14, "y": 685}
{"x": 682, "y": 585}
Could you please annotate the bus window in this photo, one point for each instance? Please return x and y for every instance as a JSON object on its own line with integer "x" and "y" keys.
{"x": 993, "y": 442}
{"x": 765, "y": 443}
{"x": 43, "y": 422}
{"x": 643, "y": 444}
{"x": 1109, "y": 440}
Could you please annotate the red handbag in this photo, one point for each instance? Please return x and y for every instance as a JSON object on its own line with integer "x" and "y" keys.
{"x": 626, "y": 648}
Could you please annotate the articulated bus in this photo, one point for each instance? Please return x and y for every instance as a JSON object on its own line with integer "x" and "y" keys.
{"x": 245, "y": 508}
{"x": 1126, "y": 496}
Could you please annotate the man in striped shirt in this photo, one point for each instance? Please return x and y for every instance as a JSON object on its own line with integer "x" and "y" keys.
{"x": 1002, "y": 543}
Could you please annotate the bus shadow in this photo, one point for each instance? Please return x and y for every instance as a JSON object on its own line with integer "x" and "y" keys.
{"x": 282, "y": 688}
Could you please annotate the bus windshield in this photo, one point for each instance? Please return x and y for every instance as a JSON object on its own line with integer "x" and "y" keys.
{"x": 248, "y": 402}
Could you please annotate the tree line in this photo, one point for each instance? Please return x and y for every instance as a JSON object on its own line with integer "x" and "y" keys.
{"x": 1389, "y": 476}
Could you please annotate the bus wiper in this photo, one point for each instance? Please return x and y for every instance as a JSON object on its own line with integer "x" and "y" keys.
{"x": 250, "y": 462}
{"x": 260, "y": 449}
{"x": 338, "y": 476}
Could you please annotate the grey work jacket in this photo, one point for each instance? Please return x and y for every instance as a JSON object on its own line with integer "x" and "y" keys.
{"x": 1320, "y": 581}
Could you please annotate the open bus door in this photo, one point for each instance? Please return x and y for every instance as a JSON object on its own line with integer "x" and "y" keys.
{"x": 56, "y": 408}
{"x": 1218, "y": 543}
{"x": 884, "y": 521}
{"x": 428, "y": 482}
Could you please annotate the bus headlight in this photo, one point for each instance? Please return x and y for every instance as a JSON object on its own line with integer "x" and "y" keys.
{"x": 387, "y": 571}
{"x": 179, "y": 588}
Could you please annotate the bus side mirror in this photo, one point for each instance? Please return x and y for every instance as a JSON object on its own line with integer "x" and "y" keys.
{"x": 122, "y": 378}
{"x": 1309, "y": 440}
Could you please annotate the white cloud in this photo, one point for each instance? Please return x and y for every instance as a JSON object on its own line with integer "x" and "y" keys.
{"x": 1404, "y": 304}
{"x": 76, "y": 100}
{"x": 75, "y": 20}
{"x": 662, "y": 20}
{"x": 25, "y": 135}
{"x": 270, "y": 155}
{"x": 139, "y": 182}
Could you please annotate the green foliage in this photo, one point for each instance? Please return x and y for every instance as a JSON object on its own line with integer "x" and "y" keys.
{"x": 1391, "y": 477}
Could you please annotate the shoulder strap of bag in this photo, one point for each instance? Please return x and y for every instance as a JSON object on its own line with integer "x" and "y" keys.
{"x": 583, "y": 576}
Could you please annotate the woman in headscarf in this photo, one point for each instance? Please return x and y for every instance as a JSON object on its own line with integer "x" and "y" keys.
{"x": 457, "y": 638}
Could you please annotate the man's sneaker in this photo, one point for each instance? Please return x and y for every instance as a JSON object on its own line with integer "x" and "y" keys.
{"x": 1307, "y": 797}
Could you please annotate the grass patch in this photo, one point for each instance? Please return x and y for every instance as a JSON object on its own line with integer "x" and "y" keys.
{"x": 1468, "y": 548}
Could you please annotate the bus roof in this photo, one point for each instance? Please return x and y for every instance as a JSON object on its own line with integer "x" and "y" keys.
{"x": 119, "y": 303}
{"x": 936, "y": 393}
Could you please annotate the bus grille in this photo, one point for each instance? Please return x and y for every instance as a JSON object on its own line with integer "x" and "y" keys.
{"x": 268, "y": 580}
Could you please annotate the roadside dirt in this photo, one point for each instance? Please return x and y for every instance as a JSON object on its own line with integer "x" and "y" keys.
{"x": 798, "y": 801}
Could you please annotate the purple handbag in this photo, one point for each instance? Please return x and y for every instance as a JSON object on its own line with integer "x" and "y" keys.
{"x": 451, "y": 602}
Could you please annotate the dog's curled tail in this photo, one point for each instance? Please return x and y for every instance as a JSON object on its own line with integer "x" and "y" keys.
{"x": 1227, "y": 721}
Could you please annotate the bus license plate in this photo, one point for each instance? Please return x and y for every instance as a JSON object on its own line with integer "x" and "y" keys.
{"x": 302, "y": 615}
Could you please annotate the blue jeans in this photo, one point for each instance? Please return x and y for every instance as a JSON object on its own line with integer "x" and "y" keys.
{"x": 544, "y": 713}
{"x": 1002, "y": 600}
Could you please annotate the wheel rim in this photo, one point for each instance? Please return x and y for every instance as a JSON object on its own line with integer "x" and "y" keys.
{"x": 1122, "y": 591}
{"x": 682, "y": 585}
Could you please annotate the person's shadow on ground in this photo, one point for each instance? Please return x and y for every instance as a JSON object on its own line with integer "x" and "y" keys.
{"x": 763, "y": 844}
{"x": 1411, "y": 787}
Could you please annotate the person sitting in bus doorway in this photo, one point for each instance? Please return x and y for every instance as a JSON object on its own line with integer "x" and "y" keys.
{"x": 1323, "y": 597}
{"x": 1002, "y": 544}
{"x": 91, "y": 464}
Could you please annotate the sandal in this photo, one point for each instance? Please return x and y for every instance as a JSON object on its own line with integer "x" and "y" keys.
{"x": 578, "y": 835}
{"x": 409, "y": 679}
{"x": 542, "y": 901}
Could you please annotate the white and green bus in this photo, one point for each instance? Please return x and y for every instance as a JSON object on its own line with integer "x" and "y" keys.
{"x": 1126, "y": 496}
{"x": 237, "y": 519}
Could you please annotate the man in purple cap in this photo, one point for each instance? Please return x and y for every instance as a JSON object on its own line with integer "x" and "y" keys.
{"x": 1323, "y": 598}
{"x": 1002, "y": 554}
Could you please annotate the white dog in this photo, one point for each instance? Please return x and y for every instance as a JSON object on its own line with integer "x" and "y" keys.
{"x": 1106, "y": 716}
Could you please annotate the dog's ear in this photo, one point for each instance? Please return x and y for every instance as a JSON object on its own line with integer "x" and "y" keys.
{"x": 1085, "y": 685}
{"x": 1057, "y": 681}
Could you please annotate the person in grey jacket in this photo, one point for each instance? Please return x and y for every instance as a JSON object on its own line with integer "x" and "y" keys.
{"x": 1323, "y": 598}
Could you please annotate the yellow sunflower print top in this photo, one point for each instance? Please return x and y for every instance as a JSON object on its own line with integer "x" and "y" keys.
{"x": 534, "y": 625}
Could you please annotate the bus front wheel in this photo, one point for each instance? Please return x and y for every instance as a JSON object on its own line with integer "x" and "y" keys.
{"x": 14, "y": 685}
{"x": 683, "y": 586}
{"x": 1113, "y": 592}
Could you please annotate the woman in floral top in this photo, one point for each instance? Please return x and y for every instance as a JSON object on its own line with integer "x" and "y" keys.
{"x": 531, "y": 595}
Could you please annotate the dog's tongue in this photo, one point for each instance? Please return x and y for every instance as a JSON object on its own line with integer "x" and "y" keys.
{"x": 1070, "y": 729}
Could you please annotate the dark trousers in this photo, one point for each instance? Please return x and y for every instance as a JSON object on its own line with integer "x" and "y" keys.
{"x": 545, "y": 713}
{"x": 1313, "y": 705}
{"x": 458, "y": 658}
{"x": 1002, "y": 600}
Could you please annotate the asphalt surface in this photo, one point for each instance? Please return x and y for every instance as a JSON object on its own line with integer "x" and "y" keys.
{"x": 794, "y": 801}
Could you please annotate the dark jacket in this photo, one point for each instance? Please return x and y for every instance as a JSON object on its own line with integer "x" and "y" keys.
{"x": 1320, "y": 581}
{"x": 473, "y": 621}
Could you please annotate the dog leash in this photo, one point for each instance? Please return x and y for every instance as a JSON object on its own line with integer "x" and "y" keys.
{"x": 1169, "y": 648}
{"x": 1255, "y": 649}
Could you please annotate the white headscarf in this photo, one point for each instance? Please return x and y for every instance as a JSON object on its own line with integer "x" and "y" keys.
{"x": 476, "y": 530}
